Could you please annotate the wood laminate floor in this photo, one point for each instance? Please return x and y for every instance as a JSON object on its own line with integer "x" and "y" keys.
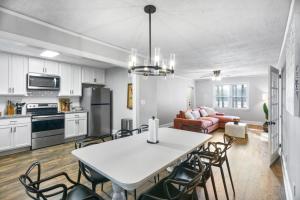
{"x": 253, "y": 178}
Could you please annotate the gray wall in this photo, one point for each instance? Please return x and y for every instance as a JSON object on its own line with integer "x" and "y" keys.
{"x": 117, "y": 80}
{"x": 257, "y": 87}
{"x": 291, "y": 123}
{"x": 162, "y": 98}
{"x": 172, "y": 96}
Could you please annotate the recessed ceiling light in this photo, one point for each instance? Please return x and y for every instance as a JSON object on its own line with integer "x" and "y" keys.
{"x": 49, "y": 54}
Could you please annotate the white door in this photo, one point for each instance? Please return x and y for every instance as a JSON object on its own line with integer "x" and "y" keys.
{"x": 36, "y": 65}
{"x": 4, "y": 75}
{"x": 71, "y": 129}
{"x": 273, "y": 114}
{"x": 76, "y": 81}
{"x": 82, "y": 126}
{"x": 17, "y": 75}
{"x": 51, "y": 67}
{"x": 6, "y": 139}
{"x": 22, "y": 135}
{"x": 65, "y": 78}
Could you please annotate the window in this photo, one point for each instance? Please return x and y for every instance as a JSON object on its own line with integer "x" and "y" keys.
{"x": 231, "y": 96}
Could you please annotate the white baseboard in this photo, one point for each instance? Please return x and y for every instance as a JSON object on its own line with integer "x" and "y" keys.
{"x": 252, "y": 122}
{"x": 166, "y": 125}
{"x": 286, "y": 181}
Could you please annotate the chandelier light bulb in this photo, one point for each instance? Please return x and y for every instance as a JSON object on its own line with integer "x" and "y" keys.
{"x": 156, "y": 56}
{"x": 172, "y": 61}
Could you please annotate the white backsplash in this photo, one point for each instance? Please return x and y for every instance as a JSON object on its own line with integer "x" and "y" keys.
{"x": 36, "y": 97}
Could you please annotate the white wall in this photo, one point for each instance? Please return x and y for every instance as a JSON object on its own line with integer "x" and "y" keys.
{"x": 257, "y": 87}
{"x": 161, "y": 98}
{"x": 172, "y": 96}
{"x": 117, "y": 80}
{"x": 291, "y": 123}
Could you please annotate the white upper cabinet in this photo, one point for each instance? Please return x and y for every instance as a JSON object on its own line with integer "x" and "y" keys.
{"x": 41, "y": 66}
{"x": 13, "y": 74}
{"x": 70, "y": 80}
{"x": 51, "y": 67}
{"x": 17, "y": 76}
{"x": 93, "y": 76}
{"x": 4, "y": 75}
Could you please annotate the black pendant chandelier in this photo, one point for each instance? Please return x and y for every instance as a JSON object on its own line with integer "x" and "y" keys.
{"x": 155, "y": 67}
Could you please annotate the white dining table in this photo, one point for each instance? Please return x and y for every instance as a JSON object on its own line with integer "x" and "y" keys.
{"x": 129, "y": 162}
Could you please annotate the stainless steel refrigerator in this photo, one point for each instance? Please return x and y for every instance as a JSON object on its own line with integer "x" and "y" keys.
{"x": 98, "y": 102}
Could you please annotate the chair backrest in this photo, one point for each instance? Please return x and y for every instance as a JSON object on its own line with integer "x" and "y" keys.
{"x": 143, "y": 128}
{"x": 193, "y": 165}
{"x": 123, "y": 133}
{"x": 31, "y": 189}
{"x": 88, "y": 172}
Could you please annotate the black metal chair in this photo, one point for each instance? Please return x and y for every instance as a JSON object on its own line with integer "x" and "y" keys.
{"x": 175, "y": 188}
{"x": 143, "y": 128}
{"x": 219, "y": 150}
{"x": 90, "y": 174}
{"x": 207, "y": 172}
{"x": 123, "y": 133}
{"x": 60, "y": 191}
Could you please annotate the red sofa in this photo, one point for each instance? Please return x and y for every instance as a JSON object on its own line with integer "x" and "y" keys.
{"x": 204, "y": 124}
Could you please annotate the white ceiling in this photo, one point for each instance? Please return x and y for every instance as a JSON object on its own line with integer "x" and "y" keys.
{"x": 240, "y": 37}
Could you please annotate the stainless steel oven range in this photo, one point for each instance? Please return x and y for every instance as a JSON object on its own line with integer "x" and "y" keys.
{"x": 47, "y": 125}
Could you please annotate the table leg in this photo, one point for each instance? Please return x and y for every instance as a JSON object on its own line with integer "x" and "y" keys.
{"x": 118, "y": 192}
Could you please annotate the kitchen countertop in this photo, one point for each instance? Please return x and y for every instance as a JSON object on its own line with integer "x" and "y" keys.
{"x": 14, "y": 116}
{"x": 75, "y": 111}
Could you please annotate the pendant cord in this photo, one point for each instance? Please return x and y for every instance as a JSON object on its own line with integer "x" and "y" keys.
{"x": 149, "y": 38}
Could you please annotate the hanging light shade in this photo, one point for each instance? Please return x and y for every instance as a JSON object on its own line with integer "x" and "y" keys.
{"x": 216, "y": 75}
{"x": 155, "y": 66}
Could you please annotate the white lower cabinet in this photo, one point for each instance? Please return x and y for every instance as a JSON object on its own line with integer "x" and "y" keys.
{"x": 15, "y": 133}
{"x": 75, "y": 124}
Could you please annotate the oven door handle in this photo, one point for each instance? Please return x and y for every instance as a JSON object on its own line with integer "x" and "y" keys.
{"x": 44, "y": 118}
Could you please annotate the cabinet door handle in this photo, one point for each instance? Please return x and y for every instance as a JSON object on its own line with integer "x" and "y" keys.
{"x": 9, "y": 90}
{"x": 15, "y": 129}
{"x": 13, "y": 90}
{"x": 94, "y": 80}
{"x": 11, "y": 129}
{"x": 45, "y": 69}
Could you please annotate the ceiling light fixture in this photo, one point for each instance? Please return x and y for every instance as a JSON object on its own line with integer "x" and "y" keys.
{"x": 49, "y": 54}
{"x": 155, "y": 67}
{"x": 216, "y": 75}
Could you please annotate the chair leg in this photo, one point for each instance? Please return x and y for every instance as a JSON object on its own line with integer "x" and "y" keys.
{"x": 135, "y": 194}
{"x": 78, "y": 176}
{"x": 126, "y": 195}
{"x": 224, "y": 182}
{"x": 94, "y": 187}
{"x": 102, "y": 187}
{"x": 154, "y": 179}
{"x": 157, "y": 177}
{"x": 213, "y": 183}
{"x": 205, "y": 192}
{"x": 228, "y": 167}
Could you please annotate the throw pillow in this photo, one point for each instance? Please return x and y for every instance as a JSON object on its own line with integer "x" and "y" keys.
{"x": 189, "y": 115}
{"x": 210, "y": 111}
{"x": 196, "y": 114}
{"x": 203, "y": 113}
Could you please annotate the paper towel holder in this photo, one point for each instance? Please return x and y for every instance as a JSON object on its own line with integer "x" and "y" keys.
{"x": 150, "y": 142}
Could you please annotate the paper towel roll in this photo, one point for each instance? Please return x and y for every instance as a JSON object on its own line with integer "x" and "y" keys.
{"x": 153, "y": 130}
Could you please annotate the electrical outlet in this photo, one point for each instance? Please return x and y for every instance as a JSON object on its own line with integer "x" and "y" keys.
{"x": 294, "y": 189}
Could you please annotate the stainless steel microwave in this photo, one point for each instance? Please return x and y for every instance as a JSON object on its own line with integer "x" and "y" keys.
{"x": 37, "y": 81}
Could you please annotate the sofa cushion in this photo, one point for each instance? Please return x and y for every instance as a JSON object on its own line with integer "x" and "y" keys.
{"x": 212, "y": 119}
{"x": 196, "y": 114}
{"x": 189, "y": 115}
{"x": 203, "y": 113}
{"x": 210, "y": 111}
{"x": 205, "y": 123}
{"x": 225, "y": 118}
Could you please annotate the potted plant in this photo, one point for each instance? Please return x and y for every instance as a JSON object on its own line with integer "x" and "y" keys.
{"x": 266, "y": 111}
